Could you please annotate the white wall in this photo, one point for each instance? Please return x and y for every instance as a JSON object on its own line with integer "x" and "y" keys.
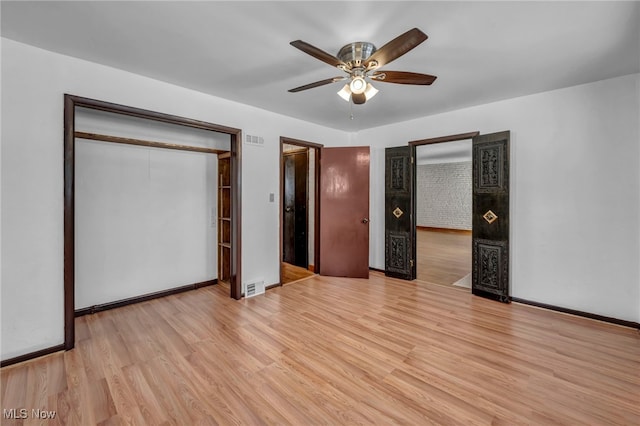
{"x": 145, "y": 217}
{"x": 107, "y": 123}
{"x": 575, "y": 191}
{"x": 33, "y": 84}
{"x": 142, "y": 220}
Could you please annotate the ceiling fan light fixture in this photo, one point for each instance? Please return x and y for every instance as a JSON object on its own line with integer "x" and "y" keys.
{"x": 358, "y": 85}
{"x": 370, "y": 91}
{"x": 361, "y": 61}
{"x": 345, "y": 93}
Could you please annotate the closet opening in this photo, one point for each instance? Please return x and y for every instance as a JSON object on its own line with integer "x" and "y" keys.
{"x": 139, "y": 210}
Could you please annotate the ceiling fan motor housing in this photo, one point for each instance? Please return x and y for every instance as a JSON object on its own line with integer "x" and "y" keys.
{"x": 354, "y": 54}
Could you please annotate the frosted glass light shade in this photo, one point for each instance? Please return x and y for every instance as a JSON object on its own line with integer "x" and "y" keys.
{"x": 358, "y": 85}
{"x": 345, "y": 93}
{"x": 370, "y": 92}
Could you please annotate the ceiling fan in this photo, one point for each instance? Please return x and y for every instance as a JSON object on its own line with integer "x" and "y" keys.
{"x": 361, "y": 61}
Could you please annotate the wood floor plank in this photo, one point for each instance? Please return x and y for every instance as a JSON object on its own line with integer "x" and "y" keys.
{"x": 292, "y": 273}
{"x": 302, "y": 405}
{"x": 147, "y": 403}
{"x": 169, "y": 398}
{"x": 442, "y": 257}
{"x": 447, "y": 407}
{"x": 14, "y": 389}
{"x": 335, "y": 351}
{"x": 78, "y": 390}
{"x": 498, "y": 404}
{"x": 102, "y": 404}
{"x": 216, "y": 389}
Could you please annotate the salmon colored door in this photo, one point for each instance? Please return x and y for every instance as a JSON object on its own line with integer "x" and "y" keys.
{"x": 344, "y": 212}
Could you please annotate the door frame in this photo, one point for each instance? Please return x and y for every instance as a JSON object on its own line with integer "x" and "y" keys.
{"x": 316, "y": 196}
{"x": 285, "y": 155}
{"x": 413, "y": 145}
{"x": 71, "y": 102}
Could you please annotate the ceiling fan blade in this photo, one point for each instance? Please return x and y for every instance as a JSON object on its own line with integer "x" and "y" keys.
{"x": 402, "y": 77}
{"x": 317, "y": 84}
{"x": 397, "y": 47}
{"x": 358, "y": 98}
{"x": 318, "y": 53}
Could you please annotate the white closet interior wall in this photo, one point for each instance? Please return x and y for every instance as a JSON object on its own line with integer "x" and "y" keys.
{"x": 145, "y": 218}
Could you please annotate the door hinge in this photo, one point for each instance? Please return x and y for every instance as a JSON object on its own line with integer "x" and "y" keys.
{"x": 411, "y": 263}
{"x": 411, "y": 160}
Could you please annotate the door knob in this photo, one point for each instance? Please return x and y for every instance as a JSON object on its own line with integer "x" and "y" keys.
{"x": 365, "y": 220}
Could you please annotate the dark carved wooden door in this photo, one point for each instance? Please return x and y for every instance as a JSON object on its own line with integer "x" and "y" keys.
{"x": 295, "y": 240}
{"x": 490, "y": 241}
{"x": 400, "y": 248}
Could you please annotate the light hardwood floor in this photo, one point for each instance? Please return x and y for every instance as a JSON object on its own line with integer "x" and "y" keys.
{"x": 442, "y": 257}
{"x": 335, "y": 351}
{"x": 292, "y": 273}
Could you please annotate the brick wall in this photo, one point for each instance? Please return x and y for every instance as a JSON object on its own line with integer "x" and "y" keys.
{"x": 444, "y": 195}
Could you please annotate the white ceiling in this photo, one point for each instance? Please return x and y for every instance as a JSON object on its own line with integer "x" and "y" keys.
{"x": 480, "y": 51}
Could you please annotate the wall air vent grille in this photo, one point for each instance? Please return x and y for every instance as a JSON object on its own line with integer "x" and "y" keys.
{"x": 254, "y": 288}
{"x": 254, "y": 140}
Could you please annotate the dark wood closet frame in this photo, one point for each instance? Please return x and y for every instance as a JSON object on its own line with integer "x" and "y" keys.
{"x": 70, "y": 104}
{"x": 316, "y": 196}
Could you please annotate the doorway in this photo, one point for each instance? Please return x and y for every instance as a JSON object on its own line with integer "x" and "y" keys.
{"x": 490, "y": 211}
{"x": 443, "y": 191}
{"x": 299, "y": 209}
{"x": 295, "y": 220}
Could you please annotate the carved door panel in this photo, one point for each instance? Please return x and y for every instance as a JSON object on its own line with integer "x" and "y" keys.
{"x": 490, "y": 241}
{"x": 344, "y": 212}
{"x": 295, "y": 216}
{"x": 400, "y": 248}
